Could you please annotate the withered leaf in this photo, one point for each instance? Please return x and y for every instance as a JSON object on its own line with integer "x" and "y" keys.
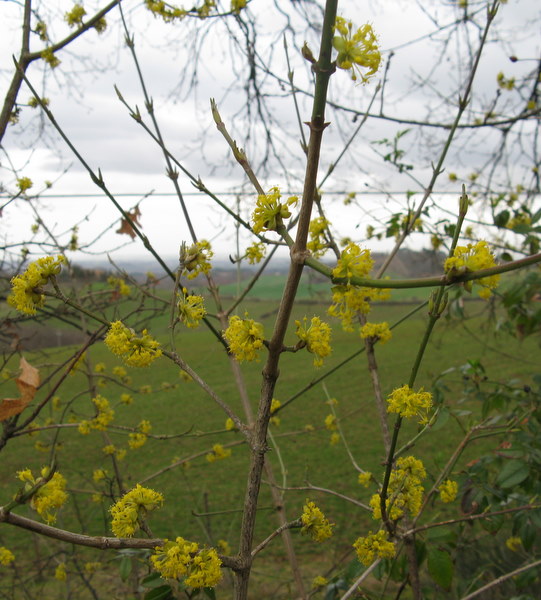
{"x": 27, "y": 382}
{"x": 125, "y": 225}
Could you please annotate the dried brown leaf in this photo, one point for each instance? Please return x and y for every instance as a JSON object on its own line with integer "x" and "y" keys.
{"x": 28, "y": 383}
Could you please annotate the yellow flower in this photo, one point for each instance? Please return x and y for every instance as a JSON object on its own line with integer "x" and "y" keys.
{"x": 405, "y": 492}
{"x": 48, "y": 498}
{"x": 218, "y": 453}
{"x": 356, "y": 50}
{"x": 126, "y": 399}
{"x": 24, "y": 183}
{"x": 334, "y": 439}
{"x": 407, "y": 403}
{"x": 105, "y": 414}
{"x": 191, "y": 309}
{"x": 229, "y": 424}
{"x": 275, "y": 405}
{"x": 245, "y": 338}
{"x": 269, "y": 212}
{"x": 473, "y": 257}
{"x": 237, "y": 5}
{"x": 92, "y": 567}
{"x": 75, "y": 16}
{"x": 376, "y": 331}
{"x": 26, "y": 293}
{"x": 134, "y": 505}
{"x": 353, "y": 262}
{"x": 6, "y": 556}
{"x": 255, "y": 253}
{"x": 223, "y": 546}
{"x": 200, "y": 568}
{"x": 317, "y": 338}
{"x": 365, "y": 478}
{"x": 318, "y": 242}
{"x": 49, "y": 57}
{"x": 330, "y": 423}
{"x": 374, "y": 545}
{"x": 504, "y": 83}
{"x": 99, "y": 474}
{"x": 121, "y": 287}
{"x": 319, "y": 581}
{"x": 514, "y": 543}
{"x": 448, "y": 490}
{"x": 60, "y": 572}
{"x": 314, "y": 523}
{"x": 99, "y": 368}
{"x": 135, "y": 351}
{"x": 195, "y": 259}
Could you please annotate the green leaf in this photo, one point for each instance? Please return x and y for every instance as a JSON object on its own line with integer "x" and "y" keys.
{"x": 163, "y": 592}
{"x": 125, "y": 568}
{"x": 153, "y": 580}
{"x": 440, "y": 567}
{"x": 442, "y": 534}
{"x": 513, "y": 473}
{"x": 210, "y": 593}
{"x": 502, "y": 218}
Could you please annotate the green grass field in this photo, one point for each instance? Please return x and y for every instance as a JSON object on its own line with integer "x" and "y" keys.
{"x": 204, "y": 501}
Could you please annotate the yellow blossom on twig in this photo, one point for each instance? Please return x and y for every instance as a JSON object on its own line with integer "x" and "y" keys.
{"x": 408, "y": 403}
{"x": 132, "y": 507}
{"x": 245, "y": 338}
{"x": 314, "y": 523}
{"x": 136, "y": 351}
{"x": 374, "y": 545}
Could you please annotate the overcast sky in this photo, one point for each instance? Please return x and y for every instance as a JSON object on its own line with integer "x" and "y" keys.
{"x": 84, "y": 102}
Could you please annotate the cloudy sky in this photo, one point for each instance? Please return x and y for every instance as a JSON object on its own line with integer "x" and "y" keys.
{"x": 427, "y": 56}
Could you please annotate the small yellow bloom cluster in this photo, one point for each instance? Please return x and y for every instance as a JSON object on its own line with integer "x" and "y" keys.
{"x": 200, "y": 568}
{"x": 255, "y": 253}
{"x": 473, "y": 257}
{"x": 514, "y": 543}
{"x": 139, "y": 438}
{"x": 134, "y": 505}
{"x": 60, "y": 572}
{"x": 405, "y": 492}
{"x": 24, "y": 183}
{"x": 237, "y": 6}
{"x": 314, "y": 523}
{"x": 318, "y": 242}
{"x": 319, "y": 581}
{"x": 26, "y": 293}
{"x": 349, "y": 301}
{"x": 330, "y": 423}
{"x": 245, "y": 338}
{"x": 377, "y": 331}
{"x": 165, "y": 11}
{"x": 75, "y": 16}
{"x": 121, "y": 287}
{"x": 269, "y": 212}
{"x": 407, "y": 403}
{"x": 41, "y": 30}
{"x": 356, "y": 50}
{"x": 195, "y": 259}
{"x": 6, "y": 556}
{"x": 223, "y": 546}
{"x": 229, "y": 424}
{"x": 218, "y": 453}
{"x": 49, "y": 497}
{"x": 190, "y": 309}
{"x": 275, "y": 405}
{"x": 111, "y": 449}
{"x": 92, "y": 567}
{"x": 353, "y": 262}
{"x": 105, "y": 415}
{"x": 374, "y": 545}
{"x": 316, "y": 337}
{"x": 504, "y": 83}
{"x": 448, "y": 490}
{"x": 99, "y": 474}
{"x": 365, "y": 478}
{"x": 50, "y": 58}
{"x": 135, "y": 351}
{"x": 126, "y": 399}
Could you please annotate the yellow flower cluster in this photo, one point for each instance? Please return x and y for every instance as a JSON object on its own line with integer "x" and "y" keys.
{"x": 330, "y": 423}
{"x": 318, "y": 242}
{"x": 49, "y": 497}
{"x": 504, "y": 83}
{"x": 105, "y": 415}
{"x": 255, "y": 253}
{"x": 195, "y": 259}
{"x": 245, "y": 338}
{"x": 26, "y": 292}
{"x": 269, "y": 212}
{"x": 374, "y": 545}
{"x": 353, "y": 262}
{"x": 218, "y": 453}
{"x": 316, "y": 338}
{"x": 473, "y": 257}
{"x": 365, "y": 478}
{"x": 135, "y": 351}
{"x": 349, "y": 301}
{"x": 514, "y": 543}
{"x": 237, "y": 5}
{"x": 407, "y": 403}
{"x": 377, "y": 331}
{"x": 99, "y": 474}
{"x": 165, "y": 11}
{"x": 190, "y": 309}
{"x": 121, "y": 287}
{"x": 111, "y": 449}
{"x": 139, "y": 438}
{"x": 314, "y": 523}
{"x": 405, "y": 492}
{"x": 75, "y": 16}
{"x": 319, "y": 581}
{"x": 50, "y": 57}
{"x": 60, "y": 572}
{"x": 275, "y": 405}
{"x": 134, "y": 505}
{"x": 200, "y": 568}
{"x": 6, "y": 556}
{"x": 356, "y": 50}
{"x": 24, "y": 183}
{"x": 448, "y": 490}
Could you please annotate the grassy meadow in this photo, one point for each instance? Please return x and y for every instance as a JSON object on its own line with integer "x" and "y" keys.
{"x": 203, "y": 500}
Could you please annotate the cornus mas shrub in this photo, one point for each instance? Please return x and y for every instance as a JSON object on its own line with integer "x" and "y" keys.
{"x": 444, "y": 468}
